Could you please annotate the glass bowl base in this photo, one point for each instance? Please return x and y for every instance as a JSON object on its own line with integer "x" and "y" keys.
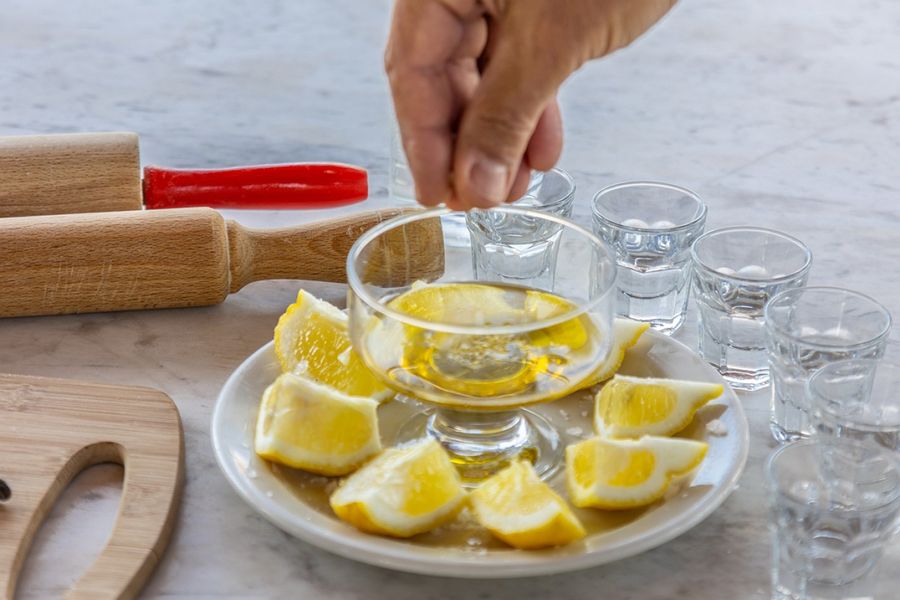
{"x": 482, "y": 443}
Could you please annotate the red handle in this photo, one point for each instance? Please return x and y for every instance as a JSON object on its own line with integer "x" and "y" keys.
{"x": 265, "y": 187}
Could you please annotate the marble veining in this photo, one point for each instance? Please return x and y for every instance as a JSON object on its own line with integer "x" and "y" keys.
{"x": 780, "y": 114}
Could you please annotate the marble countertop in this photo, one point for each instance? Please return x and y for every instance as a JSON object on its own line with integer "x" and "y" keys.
{"x": 780, "y": 114}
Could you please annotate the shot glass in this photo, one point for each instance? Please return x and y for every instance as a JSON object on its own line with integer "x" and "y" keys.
{"x": 736, "y": 271}
{"x": 515, "y": 248}
{"x": 857, "y": 399}
{"x": 834, "y": 507}
{"x": 651, "y": 227}
{"x": 807, "y": 328}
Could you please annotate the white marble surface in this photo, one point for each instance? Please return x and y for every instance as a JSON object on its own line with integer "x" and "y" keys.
{"x": 781, "y": 114}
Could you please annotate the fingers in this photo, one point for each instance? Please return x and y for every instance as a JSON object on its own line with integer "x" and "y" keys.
{"x": 546, "y": 142}
{"x": 519, "y": 184}
{"x": 430, "y": 61}
{"x": 472, "y": 137}
{"x": 513, "y": 109}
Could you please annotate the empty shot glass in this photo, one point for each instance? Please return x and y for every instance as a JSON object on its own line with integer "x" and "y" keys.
{"x": 736, "y": 271}
{"x": 857, "y": 399}
{"x": 515, "y": 248}
{"x": 834, "y": 507}
{"x": 807, "y": 328}
{"x": 651, "y": 227}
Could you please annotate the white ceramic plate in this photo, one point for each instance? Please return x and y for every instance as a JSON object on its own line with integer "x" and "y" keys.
{"x": 297, "y": 502}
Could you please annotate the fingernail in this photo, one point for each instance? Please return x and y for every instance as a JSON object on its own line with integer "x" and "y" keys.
{"x": 488, "y": 179}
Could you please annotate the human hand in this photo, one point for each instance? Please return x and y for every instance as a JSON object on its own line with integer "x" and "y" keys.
{"x": 474, "y": 85}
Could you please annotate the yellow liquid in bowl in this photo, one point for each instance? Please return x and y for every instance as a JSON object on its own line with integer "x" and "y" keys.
{"x": 485, "y": 370}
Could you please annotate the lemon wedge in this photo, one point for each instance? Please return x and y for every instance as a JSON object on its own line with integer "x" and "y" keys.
{"x": 619, "y": 474}
{"x": 571, "y": 334}
{"x": 523, "y": 511}
{"x": 634, "y": 406}
{"x": 312, "y": 339}
{"x": 471, "y": 304}
{"x": 401, "y": 492}
{"x": 625, "y": 334}
{"x": 310, "y": 426}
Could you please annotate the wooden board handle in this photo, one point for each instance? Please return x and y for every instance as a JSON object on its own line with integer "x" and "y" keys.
{"x": 134, "y": 548}
{"x": 51, "y": 430}
{"x": 69, "y": 173}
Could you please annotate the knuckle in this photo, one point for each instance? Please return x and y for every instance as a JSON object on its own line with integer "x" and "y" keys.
{"x": 503, "y": 127}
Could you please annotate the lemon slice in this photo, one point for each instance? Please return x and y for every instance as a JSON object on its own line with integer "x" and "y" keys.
{"x": 311, "y": 339}
{"x": 520, "y": 509}
{"x": 470, "y": 304}
{"x": 310, "y": 426}
{"x": 401, "y": 492}
{"x": 618, "y": 474}
{"x": 626, "y": 333}
{"x": 571, "y": 334}
{"x": 475, "y": 365}
{"x": 634, "y": 406}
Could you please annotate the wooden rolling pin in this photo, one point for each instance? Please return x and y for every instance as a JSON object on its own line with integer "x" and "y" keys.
{"x": 100, "y": 172}
{"x": 129, "y": 260}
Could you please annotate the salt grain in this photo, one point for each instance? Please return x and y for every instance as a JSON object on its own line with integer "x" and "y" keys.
{"x": 576, "y": 431}
{"x": 717, "y": 427}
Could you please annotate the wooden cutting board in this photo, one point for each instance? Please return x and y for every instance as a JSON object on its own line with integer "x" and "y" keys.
{"x": 51, "y": 430}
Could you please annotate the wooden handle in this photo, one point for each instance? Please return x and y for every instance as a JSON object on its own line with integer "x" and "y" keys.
{"x": 69, "y": 173}
{"x": 175, "y": 258}
{"x": 318, "y": 251}
{"x": 51, "y": 430}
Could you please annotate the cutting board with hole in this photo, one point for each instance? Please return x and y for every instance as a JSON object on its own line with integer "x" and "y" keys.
{"x": 51, "y": 430}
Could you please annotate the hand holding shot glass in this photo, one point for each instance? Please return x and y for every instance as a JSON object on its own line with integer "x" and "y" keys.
{"x": 651, "y": 227}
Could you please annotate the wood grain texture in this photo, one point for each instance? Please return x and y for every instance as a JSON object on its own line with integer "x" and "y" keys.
{"x": 69, "y": 173}
{"x": 179, "y": 257}
{"x": 51, "y": 430}
{"x": 318, "y": 251}
{"x": 112, "y": 261}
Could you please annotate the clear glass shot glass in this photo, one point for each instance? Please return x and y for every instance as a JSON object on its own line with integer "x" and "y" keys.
{"x": 651, "y": 227}
{"x": 514, "y": 247}
{"x": 736, "y": 271}
{"x": 857, "y": 399}
{"x": 807, "y": 328}
{"x": 834, "y": 507}
{"x": 476, "y": 352}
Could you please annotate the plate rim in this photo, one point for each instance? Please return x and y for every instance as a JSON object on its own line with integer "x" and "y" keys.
{"x": 382, "y": 554}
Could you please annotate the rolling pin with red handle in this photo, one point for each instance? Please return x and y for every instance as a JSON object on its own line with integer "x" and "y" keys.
{"x": 128, "y": 260}
{"x": 100, "y": 172}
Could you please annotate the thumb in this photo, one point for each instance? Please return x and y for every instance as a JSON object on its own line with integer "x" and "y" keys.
{"x": 500, "y": 120}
